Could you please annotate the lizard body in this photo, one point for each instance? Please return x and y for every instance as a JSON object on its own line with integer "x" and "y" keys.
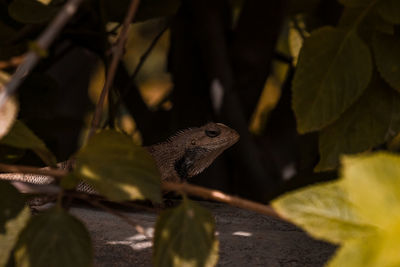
{"x": 182, "y": 156}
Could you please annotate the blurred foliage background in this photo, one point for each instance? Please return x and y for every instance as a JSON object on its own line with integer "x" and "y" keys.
{"x": 179, "y": 57}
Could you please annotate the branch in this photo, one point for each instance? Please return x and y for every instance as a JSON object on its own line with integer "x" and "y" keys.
{"x": 118, "y": 52}
{"x": 43, "y": 42}
{"x": 32, "y": 170}
{"x": 221, "y": 197}
{"x": 168, "y": 186}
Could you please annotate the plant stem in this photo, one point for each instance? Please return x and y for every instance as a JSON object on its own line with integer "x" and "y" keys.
{"x": 117, "y": 54}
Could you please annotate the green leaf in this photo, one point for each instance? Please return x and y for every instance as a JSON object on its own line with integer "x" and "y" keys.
{"x": 387, "y": 55}
{"x": 119, "y": 169}
{"x": 334, "y": 69}
{"x": 54, "y": 238}
{"x": 373, "y": 184}
{"x": 185, "y": 236}
{"x": 390, "y": 10}
{"x": 324, "y": 211}
{"x": 13, "y": 218}
{"x": 32, "y": 11}
{"x": 365, "y": 125}
{"x": 20, "y": 136}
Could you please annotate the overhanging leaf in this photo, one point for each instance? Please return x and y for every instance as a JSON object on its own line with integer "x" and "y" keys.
{"x": 365, "y": 125}
{"x": 31, "y": 11}
{"x": 324, "y": 211}
{"x": 184, "y": 236}
{"x": 118, "y": 169}
{"x": 334, "y": 69}
{"x": 13, "y": 218}
{"x": 373, "y": 184}
{"x": 387, "y": 55}
{"x": 20, "y": 136}
{"x": 54, "y": 238}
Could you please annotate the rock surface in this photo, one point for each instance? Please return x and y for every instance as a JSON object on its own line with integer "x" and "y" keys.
{"x": 246, "y": 239}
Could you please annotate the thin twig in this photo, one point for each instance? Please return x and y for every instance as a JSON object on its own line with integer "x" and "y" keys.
{"x": 32, "y": 170}
{"x": 221, "y": 197}
{"x": 43, "y": 42}
{"x": 118, "y": 52}
{"x": 143, "y": 58}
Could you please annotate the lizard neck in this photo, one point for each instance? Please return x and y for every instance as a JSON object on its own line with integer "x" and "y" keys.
{"x": 165, "y": 155}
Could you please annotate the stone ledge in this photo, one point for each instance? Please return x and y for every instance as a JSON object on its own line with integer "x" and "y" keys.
{"x": 246, "y": 239}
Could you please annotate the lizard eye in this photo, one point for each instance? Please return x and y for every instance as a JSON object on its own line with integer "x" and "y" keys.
{"x": 212, "y": 133}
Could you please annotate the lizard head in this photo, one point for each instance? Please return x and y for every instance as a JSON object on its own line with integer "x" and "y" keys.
{"x": 202, "y": 146}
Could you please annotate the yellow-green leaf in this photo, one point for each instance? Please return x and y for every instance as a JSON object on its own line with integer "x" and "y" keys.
{"x": 118, "y": 169}
{"x": 20, "y": 136}
{"x": 379, "y": 249}
{"x": 13, "y": 218}
{"x": 355, "y": 253}
{"x": 333, "y": 70}
{"x": 324, "y": 211}
{"x": 184, "y": 236}
{"x": 387, "y": 55}
{"x": 373, "y": 185}
{"x": 54, "y": 238}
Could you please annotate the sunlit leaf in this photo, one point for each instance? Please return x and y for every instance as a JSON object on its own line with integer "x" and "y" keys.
{"x": 13, "y": 218}
{"x": 324, "y": 211}
{"x": 380, "y": 249}
{"x": 54, "y": 238}
{"x": 184, "y": 236}
{"x": 20, "y": 136}
{"x": 365, "y": 125}
{"x": 334, "y": 69}
{"x": 374, "y": 186}
{"x": 356, "y": 253}
{"x": 118, "y": 169}
{"x": 387, "y": 55}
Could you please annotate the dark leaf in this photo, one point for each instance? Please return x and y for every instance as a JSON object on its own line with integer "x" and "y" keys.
{"x": 184, "y": 236}
{"x": 54, "y": 238}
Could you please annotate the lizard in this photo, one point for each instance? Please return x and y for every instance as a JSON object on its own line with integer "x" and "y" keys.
{"x": 182, "y": 156}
